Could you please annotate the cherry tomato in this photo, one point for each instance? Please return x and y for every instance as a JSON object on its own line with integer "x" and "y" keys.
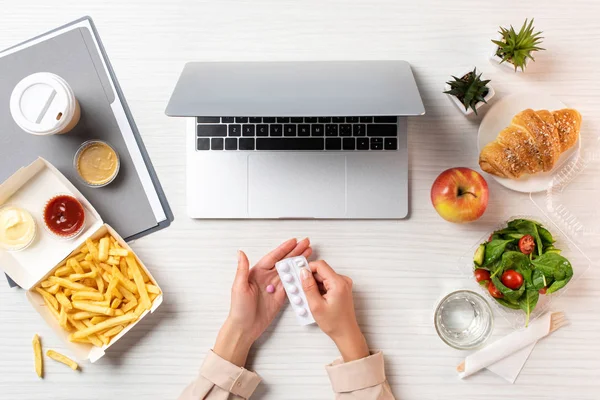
{"x": 543, "y": 290}
{"x": 494, "y": 291}
{"x": 482, "y": 275}
{"x": 527, "y": 244}
{"x": 512, "y": 279}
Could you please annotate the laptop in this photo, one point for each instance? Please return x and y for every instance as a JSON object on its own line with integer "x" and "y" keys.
{"x": 301, "y": 139}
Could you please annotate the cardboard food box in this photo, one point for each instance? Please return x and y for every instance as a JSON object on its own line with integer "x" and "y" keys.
{"x": 30, "y": 188}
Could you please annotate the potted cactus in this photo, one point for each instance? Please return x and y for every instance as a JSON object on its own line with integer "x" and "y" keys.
{"x": 469, "y": 92}
{"x": 514, "y": 49}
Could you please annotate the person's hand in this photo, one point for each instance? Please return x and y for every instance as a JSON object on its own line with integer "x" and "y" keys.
{"x": 252, "y": 308}
{"x": 329, "y": 297}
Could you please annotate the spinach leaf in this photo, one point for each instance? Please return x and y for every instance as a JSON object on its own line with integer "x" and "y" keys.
{"x": 494, "y": 250}
{"x": 528, "y": 303}
{"x": 529, "y": 228}
{"x": 555, "y": 268}
{"x": 507, "y": 304}
{"x": 545, "y": 235}
{"x": 537, "y": 280}
{"x": 509, "y": 294}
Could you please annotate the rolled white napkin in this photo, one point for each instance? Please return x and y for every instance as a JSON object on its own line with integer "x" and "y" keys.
{"x": 521, "y": 341}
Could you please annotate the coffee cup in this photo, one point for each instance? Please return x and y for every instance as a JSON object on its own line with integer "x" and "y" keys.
{"x": 44, "y": 104}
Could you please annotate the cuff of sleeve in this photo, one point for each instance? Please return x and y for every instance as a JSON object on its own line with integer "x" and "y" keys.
{"x": 228, "y": 376}
{"x": 356, "y": 375}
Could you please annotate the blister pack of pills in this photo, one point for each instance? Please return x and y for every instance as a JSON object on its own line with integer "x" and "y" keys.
{"x": 289, "y": 272}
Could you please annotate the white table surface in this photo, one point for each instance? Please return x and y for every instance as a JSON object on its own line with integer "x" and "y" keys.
{"x": 400, "y": 268}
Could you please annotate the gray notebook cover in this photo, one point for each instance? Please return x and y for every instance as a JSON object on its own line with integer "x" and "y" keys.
{"x": 134, "y": 204}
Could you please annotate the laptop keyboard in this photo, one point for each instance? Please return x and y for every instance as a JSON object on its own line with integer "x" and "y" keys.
{"x": 297, "y": 133}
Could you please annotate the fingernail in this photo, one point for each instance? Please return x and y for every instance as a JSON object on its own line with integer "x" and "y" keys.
{"x": 304, "y": 273}
{"x": 239, "y": 255}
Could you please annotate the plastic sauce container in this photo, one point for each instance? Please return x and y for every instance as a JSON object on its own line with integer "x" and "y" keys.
{"x": 97, "y": 163}
{"x": 64, "y": 216}
{"x": 44, "y": 104}
{"x": 17, "y": 228}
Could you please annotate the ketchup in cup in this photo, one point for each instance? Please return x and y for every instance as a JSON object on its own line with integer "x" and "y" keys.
{"x": 64, "y": 216}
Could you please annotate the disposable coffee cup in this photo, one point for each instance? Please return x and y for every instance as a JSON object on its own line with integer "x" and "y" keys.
{"x": 44, "y": 104}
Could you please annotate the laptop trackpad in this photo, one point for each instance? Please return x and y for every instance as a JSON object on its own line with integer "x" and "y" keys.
{"x": 296, "y": 185}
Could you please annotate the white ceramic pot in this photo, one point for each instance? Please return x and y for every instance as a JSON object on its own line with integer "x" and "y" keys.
{"x": 460, "y": 105}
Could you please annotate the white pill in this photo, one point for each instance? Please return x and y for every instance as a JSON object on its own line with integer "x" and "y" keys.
{"x": 288, "y": 277}
{"x": 285, "y": 267}
{"x": 296, "y": 300}
{"x": 301, "y": 312}
{"x": 300, "y": 263}
{"x": 293, "y": 289}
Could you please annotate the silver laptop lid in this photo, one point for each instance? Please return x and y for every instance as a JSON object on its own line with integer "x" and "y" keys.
{"x": 296, "y": 88}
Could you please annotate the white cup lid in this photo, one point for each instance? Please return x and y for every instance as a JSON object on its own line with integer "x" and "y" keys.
{"x": 42, "y": 103}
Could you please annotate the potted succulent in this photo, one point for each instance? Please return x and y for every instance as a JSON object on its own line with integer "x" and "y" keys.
{"x": 469, "y": 92}
{"x": 513, "y": 49}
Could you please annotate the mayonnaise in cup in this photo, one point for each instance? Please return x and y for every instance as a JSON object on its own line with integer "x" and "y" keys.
{"x": 17, "y": 228}
{"x": 44, "y": 104}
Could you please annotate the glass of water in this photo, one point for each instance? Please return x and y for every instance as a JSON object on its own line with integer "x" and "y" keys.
{"x": 464, "y": 320}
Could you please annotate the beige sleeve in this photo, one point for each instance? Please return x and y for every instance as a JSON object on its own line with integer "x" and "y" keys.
{"x": 219, "y": 380}
{"x": 362, "y": 379}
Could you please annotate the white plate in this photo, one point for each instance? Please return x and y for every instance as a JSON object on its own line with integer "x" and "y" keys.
{"x": 499, "y": 116}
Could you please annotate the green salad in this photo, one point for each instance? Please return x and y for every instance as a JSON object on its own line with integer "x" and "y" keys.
{"x": 519, "y": 263}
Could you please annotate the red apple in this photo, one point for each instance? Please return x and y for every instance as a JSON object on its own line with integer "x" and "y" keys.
{"x": 459, "y": 195}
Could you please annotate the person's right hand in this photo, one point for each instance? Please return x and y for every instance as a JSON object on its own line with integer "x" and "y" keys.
{"x": 330, "y": 300}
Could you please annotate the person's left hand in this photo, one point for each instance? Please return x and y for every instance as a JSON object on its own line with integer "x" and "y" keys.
{"x": 252, "y": 307}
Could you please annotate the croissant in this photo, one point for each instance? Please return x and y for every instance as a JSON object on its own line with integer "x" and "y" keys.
{"x": 532, "y": 143}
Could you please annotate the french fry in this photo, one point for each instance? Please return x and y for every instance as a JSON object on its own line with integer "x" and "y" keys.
{"x": 105, "y": 267}
{"x": 83, "y": 340}
{"x": 64, "y": 301}
{"x": 81, "y": 326}
{"x": 123, "y": 267}
{"x": 67, "y": 291}
{"x": 99, "y": 282}
{"x": 103, "y": 248}
{"x": 84, "y": 250}
{"x": 97, "y": 319}
{"x": 132, "y": 287}
{"x": 46, "y": 284}
{"x": 48, "y": 297}
{"x": 139, "y": 310}
{"x": 129, "y": 306}
{"x": 37, "y": 354}
{"x": 62, "y": 359}
{"x": 86, "y": 264}
{"x": 118, "y": 312}
{"x": 152, "y": 296}
{"x": 127, "y": 294}
{"x": 152, "y": 289}
{"x": 115, "y": 304}
{"x": 118, "y": 252}
{"x": 112, "y": 285}
{"x": 112, "y": 260}
{"x": 64, "y": 270}
{"x": 88, "y": 257}
{"x": 92, "y": 249}
{"x": 109, "y": 323}
{"x": 84, "y": 306}
{"x": 53, "y": 310}
{"x": 87, "y": 296}
{"x": 53, "y": 289}
{"x": 129, "y": 273}
{"x": 78, "y": 277}
{"x": 89, "y": 282}
{"x": 62, "y": 318}
{"x": 75, "y": 265}
{"x": 113, "y": 331}
{"x": 68, "y": 284}
{"x": 144, "y": 275}
{"x": 81, "y": 315}
{"x": 139, "y": 281}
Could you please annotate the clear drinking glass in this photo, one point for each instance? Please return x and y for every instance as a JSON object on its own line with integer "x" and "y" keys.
{"x": 464, "y": 320}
